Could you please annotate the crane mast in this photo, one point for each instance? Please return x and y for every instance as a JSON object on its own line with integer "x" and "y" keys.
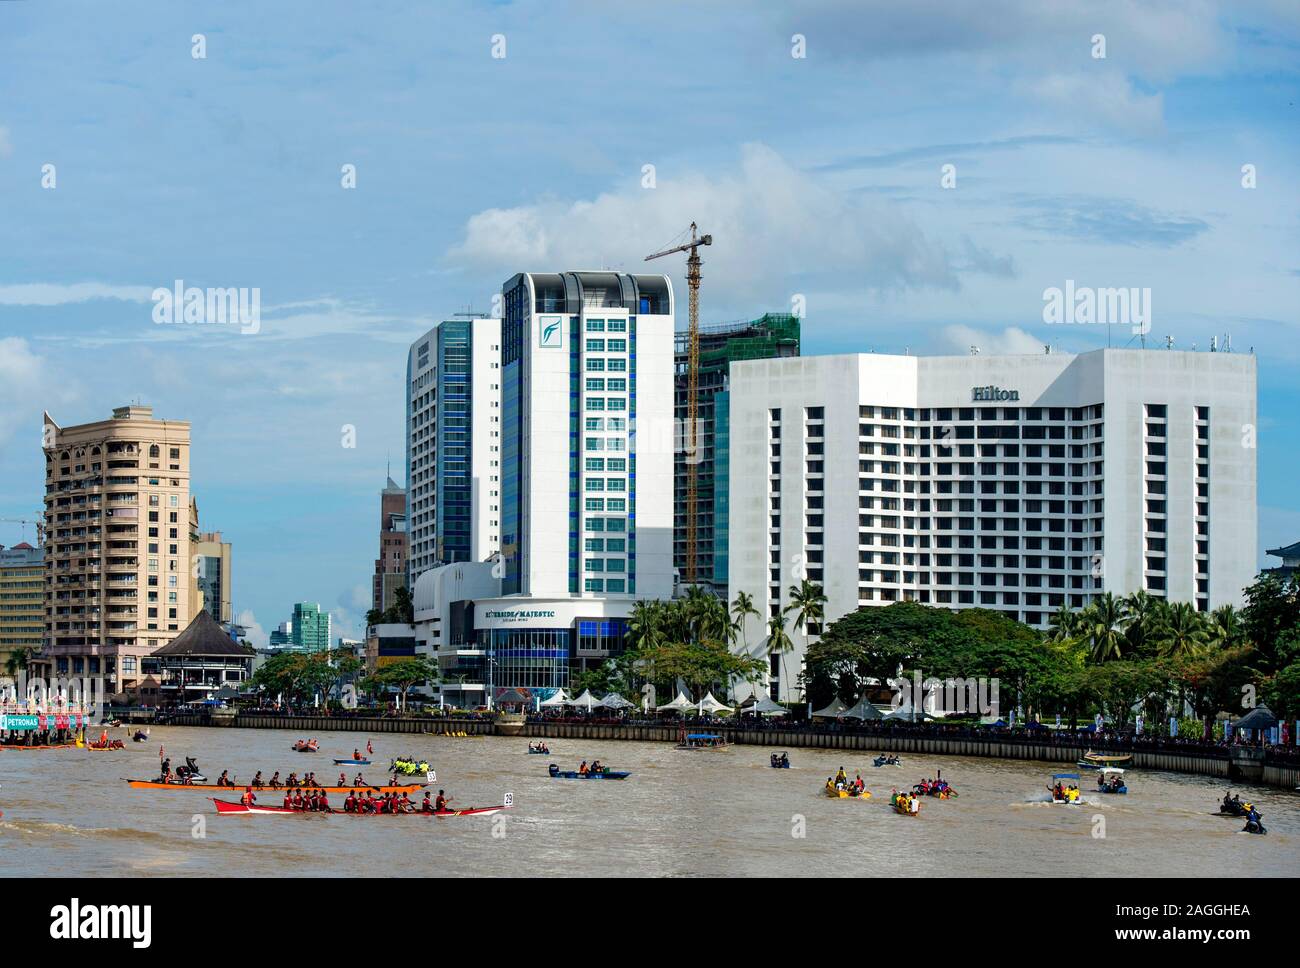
{"x": 691, "y": 439}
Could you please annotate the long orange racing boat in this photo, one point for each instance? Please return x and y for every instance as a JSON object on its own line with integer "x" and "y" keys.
{"x": 240, "y": 787}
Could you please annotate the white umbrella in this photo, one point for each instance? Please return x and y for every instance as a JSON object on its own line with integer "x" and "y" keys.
{"x": 832, "y": 711}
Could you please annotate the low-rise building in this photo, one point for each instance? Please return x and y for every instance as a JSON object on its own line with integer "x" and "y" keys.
{"x": 201, "y": 663}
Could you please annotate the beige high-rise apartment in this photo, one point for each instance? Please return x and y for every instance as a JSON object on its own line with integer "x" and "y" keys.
{"x": 117, "y": 560}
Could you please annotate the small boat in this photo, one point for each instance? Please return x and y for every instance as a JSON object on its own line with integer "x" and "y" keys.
{"x": 846, "y": 795}
{"x": 1110, "y": 779}
{"x": 228, "y": 806}
{"x": 1074, "y": 801}
{"x": 408, "y": 767}
{"x": 1095, "y": 761}
{"x": 350, "y": 760}
{"x": 199, "y": 787}
{"x": 140, "y": 735}
{"x": 305, "y": 746}
{"x": 702, "y": 741}
{"x": 539, "y": 752}
{"x": 113, "y": 744}
{"x": 1254, "y": 827}
{"x": 559, "y": 774}
{"x": 1234, "y": 808}
{"x": 883, "y": 760}
{"x": 939, "y": 793}
{"x": 780, "y": 762}
{"x": 899, "y": 802}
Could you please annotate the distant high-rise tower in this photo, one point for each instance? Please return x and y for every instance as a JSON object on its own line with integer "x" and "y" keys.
{"x": 390, "y": 566}
{"x": 453, "y": 443}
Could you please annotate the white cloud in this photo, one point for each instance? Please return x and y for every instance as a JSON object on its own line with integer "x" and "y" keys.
{"x": 22, "y": 382}
{"x": 774, "y": 228}
{"x": 1104, "y": 98}
{"x": 1012, "y": 340}
{"x": 256, "y": 634}
{"x": 60, "y": 294}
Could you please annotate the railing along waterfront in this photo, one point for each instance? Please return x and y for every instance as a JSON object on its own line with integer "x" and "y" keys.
{"x": 1274, "y": 766}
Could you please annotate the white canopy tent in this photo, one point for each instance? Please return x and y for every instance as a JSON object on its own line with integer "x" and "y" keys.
{"x": 586, "y": 701}
{"x": 710, "y": 705}
{"x": 832, "y": 711}
{"x": 561, "y": 698}
{"x": 680, "y": 704}
{"x": 863, "y": 710}
{"x": 615, "y": 701}
{"x": 764, "y": 706}
{"x": 908, "y": 713}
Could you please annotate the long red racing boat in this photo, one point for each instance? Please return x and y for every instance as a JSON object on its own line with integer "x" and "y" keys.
{"x": 227, "y": 806}
{"x": 240, "y": 787}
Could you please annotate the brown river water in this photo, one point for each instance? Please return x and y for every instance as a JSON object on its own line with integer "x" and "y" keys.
{"x": 680, "y": 814}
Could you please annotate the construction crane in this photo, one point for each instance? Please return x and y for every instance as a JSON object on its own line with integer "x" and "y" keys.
{"x": 39, "y": 525}
{"x": 691, "y": 438}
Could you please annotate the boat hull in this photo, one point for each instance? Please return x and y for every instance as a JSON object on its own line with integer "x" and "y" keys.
{"x": 352, "y": 763}
{"x": 575, "y": 775}
{"x": 209, "y": 787}
{"x": 230, "y": 807}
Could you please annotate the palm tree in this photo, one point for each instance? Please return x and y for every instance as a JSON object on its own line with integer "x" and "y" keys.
{"x": 1144, "y": 615}
{"x": 1101, "y": 627}
{"x": 1225, "y": 630}
{"x": 741, "y": 608}
{"x": 807, "y": 602}
{"x": 1185, "y": 633}
{"x": 1064, "y": 625}
{"x": 778, "y": 640}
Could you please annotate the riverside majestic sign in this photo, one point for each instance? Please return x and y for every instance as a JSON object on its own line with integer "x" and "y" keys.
{"x": 519, "y": 614}
{"x": 992, "y": 394}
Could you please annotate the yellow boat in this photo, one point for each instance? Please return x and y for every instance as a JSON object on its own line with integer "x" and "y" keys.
{"x": 845, "y": 795}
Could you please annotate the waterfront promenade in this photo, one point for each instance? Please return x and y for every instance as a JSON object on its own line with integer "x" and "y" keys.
{"x": 1279, "y": 767}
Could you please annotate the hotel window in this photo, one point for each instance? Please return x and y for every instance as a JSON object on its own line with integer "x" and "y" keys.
{"x": 617, "y": 365}
{"x": 595, "y": 443}
{"x": 617, "y": 464}
{"x": 594, "y": 564}
{"x": 595, "y": 326}
{"x": 619, "y": 385}
{"x": 593, "y": 585}
{"x": 617, "y": 345}
{"x": 594, "y": 383}
{"x": 595, "y": 484}
{"x": 614, "y": 585}
{"x": 618, "y": 325}
{"x": 595, "y": 464}
{"x": 616, "y": 544}
{"x": 615, "y": 565}
{"x": 596, "y": 363}
{"x": 595, "y": 346}
{"x": 595, "y": 403}
{"x": 616, "y": 484}
{"x": 617, "y": 403}
{"x": 594, "y": 544}
{"x": 594, "y": 504}
{"x": 616, "y": 504}
{"x": 616, "y": 423}
{"x": 595, "y": 423}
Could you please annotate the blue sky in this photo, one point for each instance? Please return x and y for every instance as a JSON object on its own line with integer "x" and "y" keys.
{"x": 819, "y": 177}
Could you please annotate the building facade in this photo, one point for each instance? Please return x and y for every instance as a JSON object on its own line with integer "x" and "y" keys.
{"x": 22, "y": 602}
{"x": 390, "y": 566}
{"x": 117, "y": 502}
{"x": 586, "y": 445}
{"x": 1015, "y": 483}
{"x": 308, "y": 631}
{"x": 213, "y": 560}
{"x": 453, "y": 443}
{"x": 775, "y": 335}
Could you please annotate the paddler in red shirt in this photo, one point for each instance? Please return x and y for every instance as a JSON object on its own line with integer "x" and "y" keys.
{"x": 324, "y": 804}
{"x": 350, "y": 804}
{"x": 427, "y": 805}
{"x": 288, "y": 799}
{"x": 248, "y": 799}
{"x": 440, "y": 804}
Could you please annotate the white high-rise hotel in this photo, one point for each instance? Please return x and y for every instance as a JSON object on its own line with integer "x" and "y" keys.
{"x": 1016, "y": 483}
{"x": 582, "y": 497}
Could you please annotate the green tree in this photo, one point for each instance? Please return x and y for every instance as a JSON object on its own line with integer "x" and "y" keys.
{"x": 405, "y": 675}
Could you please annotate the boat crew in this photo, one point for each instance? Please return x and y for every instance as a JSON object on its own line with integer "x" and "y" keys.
{"x": 356, "y": 754}
{"x": 440, "y": 804}
{"x": 427, "y": 805}
{"x": 406, "y": 804}
{"x": 224, "y": 780}
{"x": 359, "y": 781}
{"x": 350, "y": 803}
{"x": 275, "y": 781}
{"x": 343, "y": 780}
{"x": 292, "y": 780}
{"x": 841, "y": 778}
{"x": 324, "y": 804}
{"x": 298, "y": 800}
{"x": 249, "y": 798}
{"x": 257, "y": 780}
{"x": 582, "y": 768}
{"x": 288, "y": 800}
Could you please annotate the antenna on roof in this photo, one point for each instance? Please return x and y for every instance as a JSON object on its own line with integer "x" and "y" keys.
{"x": 1169, "y": 342}
{"x": 974, "y": 351}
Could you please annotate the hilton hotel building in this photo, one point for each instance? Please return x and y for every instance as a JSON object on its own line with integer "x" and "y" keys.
{"x": 1014, "y": 483}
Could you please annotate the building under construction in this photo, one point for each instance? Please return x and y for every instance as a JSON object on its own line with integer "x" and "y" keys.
{"x": 774, "y": 335}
